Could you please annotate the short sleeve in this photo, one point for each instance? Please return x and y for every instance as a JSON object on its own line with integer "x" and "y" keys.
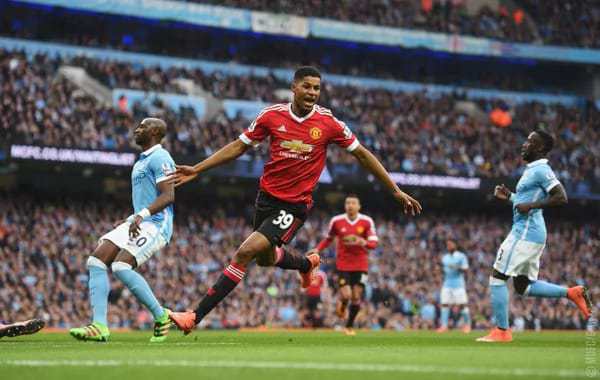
{"x": 343, "y": 136}
{"x": 161, "y": 166}
{"x": 257, "y": 131}
{"x": 371, "y": 231}
{"x": 546, "y": 178}
{"x": 465, "y": 262}
{"x": 331, "y": 229}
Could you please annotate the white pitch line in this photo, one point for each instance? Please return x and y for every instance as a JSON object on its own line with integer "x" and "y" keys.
{"x": 362, "y": 367}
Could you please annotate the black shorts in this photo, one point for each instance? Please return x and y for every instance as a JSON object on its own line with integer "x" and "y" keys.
{"x": 351, "y": 278}
{"x": 312, "y": 302}
{"x": 278, "y": 220}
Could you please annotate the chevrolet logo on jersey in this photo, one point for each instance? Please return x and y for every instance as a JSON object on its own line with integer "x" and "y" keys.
{"x": 297, "y": 146}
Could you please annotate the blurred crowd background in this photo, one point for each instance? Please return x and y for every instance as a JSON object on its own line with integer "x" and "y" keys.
{"x": 44, "y": 246}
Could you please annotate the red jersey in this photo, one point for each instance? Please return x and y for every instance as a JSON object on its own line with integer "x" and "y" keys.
{"x": 318, "y": 280}
{"x": 298, "y": 148}
{"x": 351, "y": 257}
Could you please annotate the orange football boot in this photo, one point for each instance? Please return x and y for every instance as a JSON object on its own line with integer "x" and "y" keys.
{"x": 441, "y": 329}
{"x": 579, "y": 295}
{"x": 349, "y": 331}
{"x": 497, "y": 335}
{"x": 185, "y": 321}
{"x": 315, "y": 260}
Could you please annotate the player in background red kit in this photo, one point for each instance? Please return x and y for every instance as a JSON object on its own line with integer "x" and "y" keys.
{"x": 299, "y": 133}
{"x": 355, "y": 235}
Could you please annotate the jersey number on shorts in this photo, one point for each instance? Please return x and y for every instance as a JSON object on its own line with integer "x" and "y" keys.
{"x": 141, "y": 241}
{"x": 284, "y": 220}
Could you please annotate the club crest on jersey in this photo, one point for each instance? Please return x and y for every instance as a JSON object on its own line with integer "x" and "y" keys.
{"x": 315, "y": 133}
{"x": 360, "y": 229}
{"x": 296, "y": 146}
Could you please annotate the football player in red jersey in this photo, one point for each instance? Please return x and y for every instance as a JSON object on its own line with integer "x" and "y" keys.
{"x": 299, "y": 133}
{"x": 355, "y": 235}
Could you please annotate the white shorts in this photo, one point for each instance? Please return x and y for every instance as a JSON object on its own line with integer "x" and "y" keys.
{"x": 453, "y": 296}
{"x": 519, "y": 257}
{"x": 146, "y": 244}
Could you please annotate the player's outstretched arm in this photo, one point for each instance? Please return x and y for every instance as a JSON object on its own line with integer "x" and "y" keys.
{"x": 229, "y": 152}
{"x": 372, "y": 164}
{"x": 165, "y": 198}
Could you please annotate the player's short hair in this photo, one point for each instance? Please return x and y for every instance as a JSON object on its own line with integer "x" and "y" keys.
{"x": 306, "y": 71}
{"x": 547, "y": 139}
{"x": 352, "y": 195}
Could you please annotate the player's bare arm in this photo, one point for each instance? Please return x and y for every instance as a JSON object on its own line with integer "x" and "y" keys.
{"x": 164, "y": 199}
{"x": 229, "y": 152}
{"x": 372, "y": 164}
{"x": 557, "y": 197}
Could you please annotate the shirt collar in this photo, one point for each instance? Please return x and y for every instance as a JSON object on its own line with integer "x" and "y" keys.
{"x": 537, "y": 162}
{"x": 301, "y": 119}
{"x": 149, "y": 151}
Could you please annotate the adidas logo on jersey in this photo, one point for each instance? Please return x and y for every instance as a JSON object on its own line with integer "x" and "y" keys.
{"x": 282, "y": 128}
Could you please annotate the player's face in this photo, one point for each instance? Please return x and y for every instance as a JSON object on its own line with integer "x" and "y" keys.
{"x": 141, "y": 133}
{"x": 306, "y": 92}
{"x": 531, "y": 147}
{"x": 450, "y": 245}
{"x": 352, "y": 206}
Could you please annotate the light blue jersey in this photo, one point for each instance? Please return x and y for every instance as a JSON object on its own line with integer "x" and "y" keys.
{"x": 453, "y": 264}
{"x": 535, "y": 183}
{"x": 151, "y": 168}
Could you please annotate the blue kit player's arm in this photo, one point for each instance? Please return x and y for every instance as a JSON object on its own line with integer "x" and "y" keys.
{"x": 161, "y": 166}
{"x": 557, "y": 196}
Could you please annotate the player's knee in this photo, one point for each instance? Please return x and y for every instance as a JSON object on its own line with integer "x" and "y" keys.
{"x": 244, "y": 255}
{"x": 95, "y": 262}
{"x": 499, "y": 276}
{"x": 119, "y": 266}
{"x": 521, "y": 283}
{"x": 265, "y": 259}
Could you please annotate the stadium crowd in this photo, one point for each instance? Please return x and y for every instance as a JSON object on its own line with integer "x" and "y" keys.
{"x": 570, "y": 22}
{"x": 44, "y": 246}
{"x": 410, "y": 132}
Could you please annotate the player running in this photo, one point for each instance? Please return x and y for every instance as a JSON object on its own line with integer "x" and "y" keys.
{"x": 355, "y": 235}
{"x": 454, "y": 264}
{"x": 299, "y": 133}
{"x": 21, "y": 328}
{"x": 135, "y": 240}
{"x": 519, "y": 255}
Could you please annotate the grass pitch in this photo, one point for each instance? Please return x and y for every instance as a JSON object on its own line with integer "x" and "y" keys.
{"x": 301, "y": 355}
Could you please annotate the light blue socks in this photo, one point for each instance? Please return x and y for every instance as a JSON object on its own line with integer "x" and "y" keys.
{"x": 466, "y": 316}
{"x": 445, "y": 314}
{"x": 545, "y": 289}
{"x": 99, "y": 288}
{"x": 499, "y": 297}
{"x": 139, "y": 287}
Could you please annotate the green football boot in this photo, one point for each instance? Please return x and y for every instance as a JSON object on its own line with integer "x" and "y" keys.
{"x": 96, "y": 331}
{"x": 161, "y": 328}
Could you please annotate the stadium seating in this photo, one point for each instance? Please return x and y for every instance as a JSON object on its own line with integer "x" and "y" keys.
{"x": 411, "y": 132}
{"x": 47, "y": 276}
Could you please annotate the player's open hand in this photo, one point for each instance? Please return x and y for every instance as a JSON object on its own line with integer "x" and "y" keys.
{"x": 502, "y": 192}
{"x": 181, "y": 175}
{"x": 134, "y": 227}
{"x": 410, "y": 204}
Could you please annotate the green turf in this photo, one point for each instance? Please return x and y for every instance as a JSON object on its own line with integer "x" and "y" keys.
{"x": 300, "y": 355}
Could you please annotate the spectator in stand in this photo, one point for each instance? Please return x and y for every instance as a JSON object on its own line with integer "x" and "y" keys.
{"x": 46, "y": 275}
